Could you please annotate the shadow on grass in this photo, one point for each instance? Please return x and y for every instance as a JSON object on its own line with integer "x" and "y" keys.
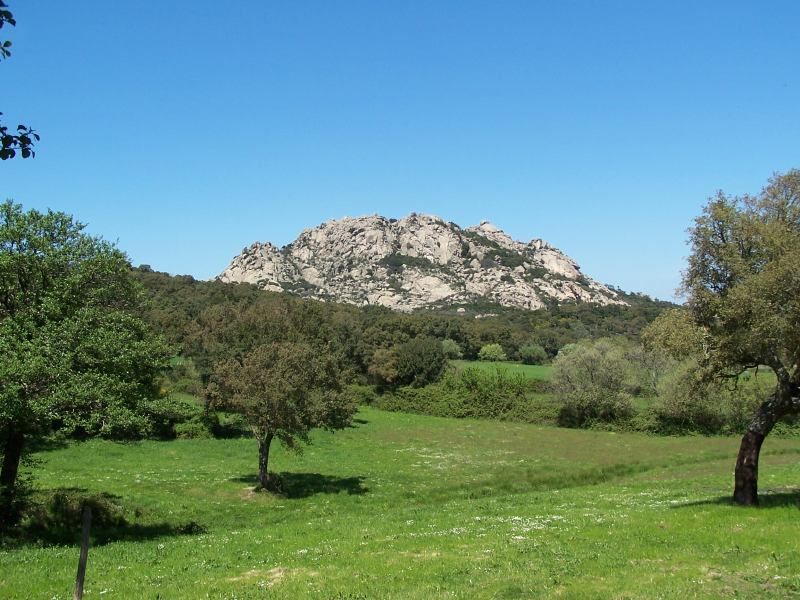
{"x": 303, "y": 485}
{"x": 54, "y": 518}
{"x": 45, "y": 445}
{"x": 766, "y": 499}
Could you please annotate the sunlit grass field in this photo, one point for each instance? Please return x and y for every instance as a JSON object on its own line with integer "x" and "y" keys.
{"x": 406, "y": 506}
{"x": 529, "y": 371}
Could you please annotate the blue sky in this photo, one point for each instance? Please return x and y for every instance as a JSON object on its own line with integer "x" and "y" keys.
{"x": 185, "y": 130}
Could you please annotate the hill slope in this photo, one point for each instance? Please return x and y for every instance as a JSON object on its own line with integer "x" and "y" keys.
{"x": 418, "y": 261}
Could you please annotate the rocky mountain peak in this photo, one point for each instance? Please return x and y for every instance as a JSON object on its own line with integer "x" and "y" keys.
{"x": 414, "y": 262}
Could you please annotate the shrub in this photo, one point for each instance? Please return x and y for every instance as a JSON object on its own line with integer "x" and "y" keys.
{"x": 689, "y": 402}
{"x": 451, "y": 349}
{"x": 361, "y": 394}
{"x": 192, "y": 430}
{"x": 589, "y": 381}
{"x": 532, "y": 354}
{"x": 476, "y": 393}
{"x": 492, "y": 352}
{"x": 382, "y": 367}
{"x": 420, "y": 362}
{"x": 167, "y": 413}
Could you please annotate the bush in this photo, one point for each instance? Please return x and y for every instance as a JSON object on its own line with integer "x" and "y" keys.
{"x": 451, "y": 349}
{"x": 382, "y": 368}
{"x": 420, "y": 362}
{"x": 476, "y": 393}
{"x": 488, "y": 393}
{"x": 229, "y": 425}
{"x": 192, "y": 430}
{"x": 183, "y": 377}
{"x": 590, "y": 383}
{"x": 591, "y": 407}
{"x": 493, "y": 352}
{"x": 361, "y": 394}
{"x": 167, "y": 413}
{"x": 689, "y": 402}
{"x": 532, "y": 354}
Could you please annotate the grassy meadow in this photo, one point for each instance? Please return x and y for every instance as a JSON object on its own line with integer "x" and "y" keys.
{"x": 512, "y": 368}
{"x": 407, "y": 506}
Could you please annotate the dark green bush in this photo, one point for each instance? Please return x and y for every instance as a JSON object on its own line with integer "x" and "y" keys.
{"x": 361, "y": 394}
{"x": 532, "y": 354}
{"x": 420, "y": 362}
{"x": 167, "y": 413}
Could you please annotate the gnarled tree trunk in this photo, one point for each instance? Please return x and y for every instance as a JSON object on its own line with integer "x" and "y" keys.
{"x": 781, "y": 403}
{"x": 745, "y": 489}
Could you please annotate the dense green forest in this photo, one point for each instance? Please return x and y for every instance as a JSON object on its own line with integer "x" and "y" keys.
{"x": 184, "y": 310}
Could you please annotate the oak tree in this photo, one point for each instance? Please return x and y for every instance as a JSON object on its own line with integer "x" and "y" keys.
{"x": 283, "y": 389}
{"x": 72, "y": 356}
{"x": 743, "y": 287}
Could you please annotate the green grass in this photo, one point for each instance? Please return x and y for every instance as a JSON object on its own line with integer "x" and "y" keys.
{"x": 404, "y": 506}
{"x": 529, "y": 371}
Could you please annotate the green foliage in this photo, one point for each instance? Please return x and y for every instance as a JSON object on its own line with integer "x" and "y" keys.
{"x": 742, "y": 281}
{"x": 192, "y": 430}
{"x": 675, "y": 333}
{"x": 361, "y": 395}
{"x": 478, "y": 389}
{"x": 590, "y": 383}
{"x": 57, "y": 517}
{"x": 396, "y": 262}
{"x": 688, "y": 401}
{"x": 492, "y": 352}
{"x": 537, "y": 373}
{"x": 283, "y": 390}
{"x": 383, "y": 367}
{"x": 23, "y": 138}
{"x": 193, "y": 314}
{"x": 72, "y": 357}
{"x": 532, "y": 354}
{"x": 169, "y": 413}
{"x": 451, "y": 349}
{"x": 420, "y": 362}
{"x": 493, "y": 393}
{"x": 488, "y": 393}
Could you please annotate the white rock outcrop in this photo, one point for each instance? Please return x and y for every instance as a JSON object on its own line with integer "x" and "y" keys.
{"x": 415, "y": 262}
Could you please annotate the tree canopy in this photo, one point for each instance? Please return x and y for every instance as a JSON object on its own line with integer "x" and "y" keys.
{"x": 72, "y": 357}
{"x": 283, "y": 390}
{"x": 743, "y": 285}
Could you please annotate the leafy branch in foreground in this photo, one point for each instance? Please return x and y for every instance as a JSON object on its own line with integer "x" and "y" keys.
{"x": 23, "y": 140}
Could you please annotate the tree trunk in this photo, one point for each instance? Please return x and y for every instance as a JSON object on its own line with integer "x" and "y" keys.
{"x": 12, "y": 454}
{"x": 263, "y": 461}
{"x": 745, "y": 490}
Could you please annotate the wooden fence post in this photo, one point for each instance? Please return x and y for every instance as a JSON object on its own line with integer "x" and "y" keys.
{"x": 87, "y": 523}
